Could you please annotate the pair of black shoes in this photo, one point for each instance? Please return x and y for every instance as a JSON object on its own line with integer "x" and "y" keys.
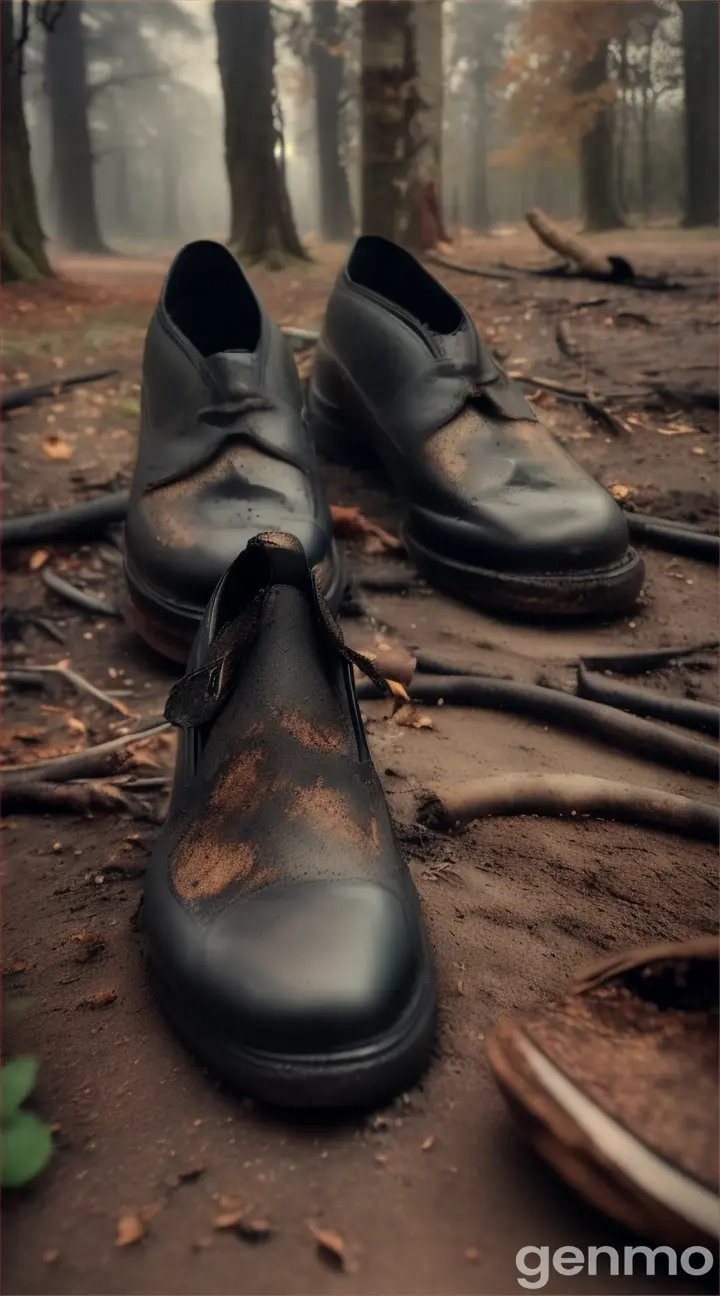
{"x": 285, "y": 936}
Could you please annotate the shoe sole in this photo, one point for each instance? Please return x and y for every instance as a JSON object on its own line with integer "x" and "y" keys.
{"x": 170, "y": 629}
{"x": 594, "y": 1153}
{"x": 604, "y": 591}
{"x": 366, "y": 1076}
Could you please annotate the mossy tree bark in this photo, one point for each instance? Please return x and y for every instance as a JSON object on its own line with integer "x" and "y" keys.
{"x": 262, "y": 226}
{"x": 22, "y": 241}
{"x": 328, "y": 61}
{"x": 402, "y": 121}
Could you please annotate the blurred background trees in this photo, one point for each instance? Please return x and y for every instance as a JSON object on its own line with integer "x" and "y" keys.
{"x": 276, "y": 124}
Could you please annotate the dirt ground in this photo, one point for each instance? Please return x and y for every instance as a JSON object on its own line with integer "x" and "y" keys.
{"x": 437, "y": 1193}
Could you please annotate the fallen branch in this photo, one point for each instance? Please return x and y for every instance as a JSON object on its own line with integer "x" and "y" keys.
{"x": 641, "y": 737}
{"x": 674, "y": 537}
{"x": 74, "y": 678}
{"x": 81, "y": 798}
{"x": 80, "y": 521}
{"x": 460, "y": 268}
{"x": 93, "y": 762}
{"x": 81, "y": 599}
{"x": 637, "y": 661}
{"x": 19, "y": 397}
{"x": 690, "y": 397}
{"x": 570, "y": 796}
{"x": 591, "y": 265}
{"x": 701, "y": 716}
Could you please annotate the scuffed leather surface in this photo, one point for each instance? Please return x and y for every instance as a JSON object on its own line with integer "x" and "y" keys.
{"x": 223, "y": 454}
{"x": 510, "y": 497}
{"x": 276, "y": 900}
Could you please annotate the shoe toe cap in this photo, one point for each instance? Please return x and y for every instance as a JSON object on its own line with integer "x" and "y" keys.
{"x": 302, "y": 969}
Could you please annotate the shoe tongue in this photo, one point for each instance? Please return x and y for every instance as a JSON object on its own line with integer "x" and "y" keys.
{"x": 233, "y": 372}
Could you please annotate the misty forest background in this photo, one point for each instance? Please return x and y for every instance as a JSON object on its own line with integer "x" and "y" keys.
{"x": 133, "y": 124}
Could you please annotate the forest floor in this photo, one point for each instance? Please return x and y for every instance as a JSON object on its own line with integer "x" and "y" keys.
{"x": 435, "y": 1194}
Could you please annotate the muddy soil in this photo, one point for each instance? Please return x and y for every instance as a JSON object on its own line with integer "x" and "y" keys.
{"x": 436, "y": 1194}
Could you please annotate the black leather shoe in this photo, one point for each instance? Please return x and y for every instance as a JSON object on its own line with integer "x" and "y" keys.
{"x": 495, "y": 510}
{"x": 285, "y": 937}
{"x": 223, "y": 451}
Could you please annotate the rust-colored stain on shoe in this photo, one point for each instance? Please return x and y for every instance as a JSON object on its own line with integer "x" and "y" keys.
{"x": 309, "y": 734}
{"x": 205, "y": 866}
{"x": 655, "y": 1071}
{"x": 172, "y": 510}
{"x": 375, "y": 832}
{"x": 445, "y": 450}
{"x": 208, "y": 859}
{"x": 328, "y": 813}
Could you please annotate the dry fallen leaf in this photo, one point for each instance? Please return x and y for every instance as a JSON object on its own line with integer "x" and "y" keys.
{"x": 428, "y": 1143}
{"x": 38, "y": 559}
{"x": 100, "y": 999}
{"x": 254, "y": 1230}
{"x": 228, "y": 1220}
{"x": 54, "y": 447}
{"x": 680, "y": 429}
{"x": 130, "y": 1229}
{"x": 409, "y": 718}
{"x": 698, "y": 450}
{"x": 91, "y": 944}
{"x": 331, "y": 1247}
{"x": 619, "y": 491}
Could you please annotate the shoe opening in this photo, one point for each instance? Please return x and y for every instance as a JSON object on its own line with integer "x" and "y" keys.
{"x": 209, "y": 299}
{"x": 390, "y": 271}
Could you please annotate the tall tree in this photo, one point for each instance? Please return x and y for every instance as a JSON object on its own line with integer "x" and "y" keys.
{"x": 72, "y": 156}
{"x": 701, "y": 44}
{"x": 262, "y": 227}
{"x": 561, "y": 94}
{"x": 477, "y": 55}
{"x": 328, "y": 61}
{"x": 22, "y": 242}
{"x": 401, "y": 126}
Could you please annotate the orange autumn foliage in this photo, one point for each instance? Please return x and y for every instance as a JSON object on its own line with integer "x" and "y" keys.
{"x": 543, "y": 76}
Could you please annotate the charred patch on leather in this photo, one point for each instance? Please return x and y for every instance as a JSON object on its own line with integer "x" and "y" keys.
{"x": 328, "y": 813}
{"x": 209, "y": 858}
{"x": 308, "y": 734}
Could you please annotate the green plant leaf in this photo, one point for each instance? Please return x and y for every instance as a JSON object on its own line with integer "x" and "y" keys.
{"x": 17, "y": 1081}
{"x": 26, "y": 1149}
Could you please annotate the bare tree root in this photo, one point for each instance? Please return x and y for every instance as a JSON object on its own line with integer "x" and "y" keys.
{"x": 79, "y": 798}
{"x": 701, "y": 716}
{"x": 570, "y": 796}
{"x": 629, "y": 733}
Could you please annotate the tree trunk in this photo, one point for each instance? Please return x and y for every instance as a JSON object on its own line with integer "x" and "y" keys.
{"x": 170, "y": 180}
{"x": 67, "y": 88}
{"x": 402, "y": 121}
{"x": 597, "y": 171}
{"x": 479, "y": 207}
{"x": 336, "y": 217}
{"x": 702, "y": 145}
{"x": 22, "y": 241}
{"x": 262, "y": 226}
{"x": 622, "y": 136}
